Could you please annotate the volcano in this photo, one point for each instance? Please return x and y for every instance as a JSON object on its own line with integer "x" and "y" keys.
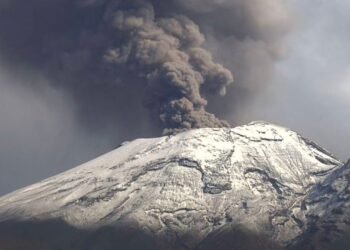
{"x": 257, "y": 186}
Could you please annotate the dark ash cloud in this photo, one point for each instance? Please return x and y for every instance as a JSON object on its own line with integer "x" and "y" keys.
{"x": 166, "y": 53}
{"x": 149, "y": 47}
{"x": 124, "y": 69}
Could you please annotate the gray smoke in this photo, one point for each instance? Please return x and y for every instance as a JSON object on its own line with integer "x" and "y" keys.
{"x": 110, "y": 59}
{"x": 152, "y": 51}
{"x": 163, "y": 52}
{"x": 249, "y": 38}
{"x": 167, "y": 54}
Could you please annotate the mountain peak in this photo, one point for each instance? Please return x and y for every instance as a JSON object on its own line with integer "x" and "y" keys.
{"x": 186, "y": 186}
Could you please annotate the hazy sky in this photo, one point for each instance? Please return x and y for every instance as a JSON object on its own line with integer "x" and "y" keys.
{"x": 311, "y": 88}
{"x": 40, "y": 134}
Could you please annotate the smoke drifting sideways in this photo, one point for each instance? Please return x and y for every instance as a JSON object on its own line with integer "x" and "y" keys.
{"x": 114, "y": 54}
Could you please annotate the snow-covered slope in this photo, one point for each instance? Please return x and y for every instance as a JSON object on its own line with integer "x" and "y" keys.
{"x": 327, "y": 208}
{"x": 186, "y": 186}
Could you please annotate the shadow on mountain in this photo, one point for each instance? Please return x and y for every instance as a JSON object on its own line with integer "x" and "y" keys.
{"x": 322, "y": 241}
{"x": 58, "y": 235}
{"x": 232, "y": 237}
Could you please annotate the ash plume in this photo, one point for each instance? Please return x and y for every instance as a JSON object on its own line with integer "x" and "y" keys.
{"x": 154, "y": 52}
{"x": 167, "y": 54}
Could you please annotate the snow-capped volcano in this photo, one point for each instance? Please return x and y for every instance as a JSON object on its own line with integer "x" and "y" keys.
{"x": 187, "y": 186}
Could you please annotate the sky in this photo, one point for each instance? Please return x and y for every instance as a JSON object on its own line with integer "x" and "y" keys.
{"x": 310, "y": 92}
{"x": 46, "y": 129}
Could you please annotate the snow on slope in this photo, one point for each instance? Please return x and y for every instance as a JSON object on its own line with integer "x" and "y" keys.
{"x": 327, "y": 209}
{"x": 188, "y": 185}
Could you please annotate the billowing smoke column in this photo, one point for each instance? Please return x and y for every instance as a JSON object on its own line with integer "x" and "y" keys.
{"x": 149, "y": 51}
{"x": 167, "y": 54}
